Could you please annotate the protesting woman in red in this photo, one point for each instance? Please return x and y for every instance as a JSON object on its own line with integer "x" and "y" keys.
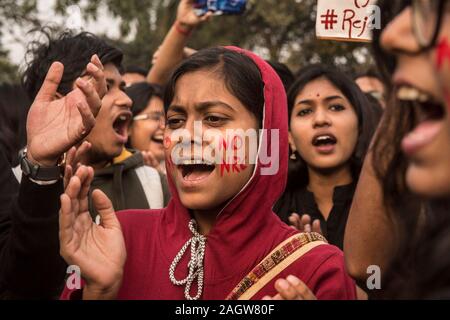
{"x": 218, "y": 238}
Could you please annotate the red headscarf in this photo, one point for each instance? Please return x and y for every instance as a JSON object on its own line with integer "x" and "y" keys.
{"x": 246, "y": 230}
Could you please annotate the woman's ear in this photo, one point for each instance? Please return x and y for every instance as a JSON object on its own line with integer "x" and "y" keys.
{"x": 291, "y": 142}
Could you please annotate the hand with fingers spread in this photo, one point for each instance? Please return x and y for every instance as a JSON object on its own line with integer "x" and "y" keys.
{"x": 303, "y": 223}
{"x": 73, "y": 158}
{"x": 98, "y": 250}
{"x": 54, "y": 124}
{"x": 291, "y": 288}
{"x": 95, "y": 75}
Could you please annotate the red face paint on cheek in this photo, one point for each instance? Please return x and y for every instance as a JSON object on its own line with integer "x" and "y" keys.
{"x": 235, "y": 143}
{"x": 167, "y": 142}
{"x": 442, "y": 53}
{"x": 442, "y": 59}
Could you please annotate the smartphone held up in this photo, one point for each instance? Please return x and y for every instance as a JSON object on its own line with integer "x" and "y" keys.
{"x": 220, "y": 7}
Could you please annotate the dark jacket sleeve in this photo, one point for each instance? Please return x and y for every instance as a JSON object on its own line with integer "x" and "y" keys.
{"x": 30, "y": 264}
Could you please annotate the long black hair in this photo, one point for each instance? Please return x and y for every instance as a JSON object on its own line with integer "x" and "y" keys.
{"x": 367, "y": 117}
{"x": 421, "y": 264}
{"x": 390, "y": 163}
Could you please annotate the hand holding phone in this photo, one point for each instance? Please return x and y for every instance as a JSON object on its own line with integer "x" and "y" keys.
{"x": 220, "y": 7}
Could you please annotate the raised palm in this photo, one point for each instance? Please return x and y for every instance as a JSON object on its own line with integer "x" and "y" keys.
{"x": 98, "y": 250}
{"x": 56, "y": 124}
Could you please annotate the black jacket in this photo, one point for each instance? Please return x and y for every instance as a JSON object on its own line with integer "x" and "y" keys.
{"x": 30, "y": 264}
{"x": 130, "y": 184}
{"x": 302, "y": 201}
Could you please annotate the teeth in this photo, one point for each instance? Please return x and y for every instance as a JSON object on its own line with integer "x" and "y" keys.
{"x": 193, "y": 162}
{"x": 412, "y": 94}
{"x": 123, "y": 118}
{"x": 321, "y": 138}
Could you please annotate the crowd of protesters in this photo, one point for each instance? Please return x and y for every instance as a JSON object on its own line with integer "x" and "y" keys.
{"x": 103, "y": 168}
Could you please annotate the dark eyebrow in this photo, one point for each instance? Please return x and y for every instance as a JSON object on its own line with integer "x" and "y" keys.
{"x": 333, "y": 98}
{"x": 201, "y": 107}
{"x": 209, "y": 104}
{"x": 327, "y": 99}
{"x": 176, "y": 108}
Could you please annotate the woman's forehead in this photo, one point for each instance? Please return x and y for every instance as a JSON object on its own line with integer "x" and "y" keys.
{"x": 319, "y": 88}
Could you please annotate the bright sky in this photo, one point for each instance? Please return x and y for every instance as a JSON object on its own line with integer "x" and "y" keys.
{"x": 16, "y": 42}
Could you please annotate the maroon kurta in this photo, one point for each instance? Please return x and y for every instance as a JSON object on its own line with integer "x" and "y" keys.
{"x": 245, "y": 232}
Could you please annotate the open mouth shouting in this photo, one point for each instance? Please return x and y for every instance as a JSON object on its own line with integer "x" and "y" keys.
{"x": 324, "y": 143}
{"x": 120, "y": 125}
{"x": 429, "y": 115}
{"x": 194, "y": 171}
{"x": 158, "y": 139}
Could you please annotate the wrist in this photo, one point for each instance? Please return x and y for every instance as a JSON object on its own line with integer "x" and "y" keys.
{"x": 40, "y": 162}
{"x": 183, "y": 28}
{"x": 96, "y": 292}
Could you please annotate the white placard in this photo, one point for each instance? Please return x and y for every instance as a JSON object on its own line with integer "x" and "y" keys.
{"x": 347, "y": 20}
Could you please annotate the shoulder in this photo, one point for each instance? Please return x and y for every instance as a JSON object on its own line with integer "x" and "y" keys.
{"x": 327, "y": 276}
{"x": 324, "y": 253}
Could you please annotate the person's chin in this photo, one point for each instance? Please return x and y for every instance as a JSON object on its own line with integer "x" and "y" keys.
{"x": 159, "y": 154}
{"x": 156, "y": 148}
{"x": 116, "y": 150}
{"x": 328, "y": 163}
{"x": 196, "y": 200}
{"x": 426, "y": 183}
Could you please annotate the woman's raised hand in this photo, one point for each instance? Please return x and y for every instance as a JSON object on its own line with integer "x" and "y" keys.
{"x": 98, "y": 250}
{"x": 186, "y": 15}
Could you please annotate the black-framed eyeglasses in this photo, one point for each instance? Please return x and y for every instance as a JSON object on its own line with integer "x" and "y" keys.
{"x": 427, "y": 16}
{"x": 158, "y": 117}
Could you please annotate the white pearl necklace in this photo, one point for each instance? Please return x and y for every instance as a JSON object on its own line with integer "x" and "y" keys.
{"x": 195, "y": 265}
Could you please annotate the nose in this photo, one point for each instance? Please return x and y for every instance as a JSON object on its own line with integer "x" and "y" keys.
{"x": 162, "y": 122}
{"x": 190, "y": 133}
{"x": 321, "y": 118}
{"x": 189, "y": 138}
{"x": 195, "y": 129}
{"x": 398, "y": 35}
{"x": 123, "y": 100}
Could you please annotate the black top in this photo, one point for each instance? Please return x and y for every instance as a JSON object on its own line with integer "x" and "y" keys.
{"x": 30, "y": 264}
{"x": 302, "y": 202}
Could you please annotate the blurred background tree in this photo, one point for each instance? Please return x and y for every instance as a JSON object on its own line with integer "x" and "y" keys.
{"x": 279, "y": 30}
{"x": 14, "y": 13}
